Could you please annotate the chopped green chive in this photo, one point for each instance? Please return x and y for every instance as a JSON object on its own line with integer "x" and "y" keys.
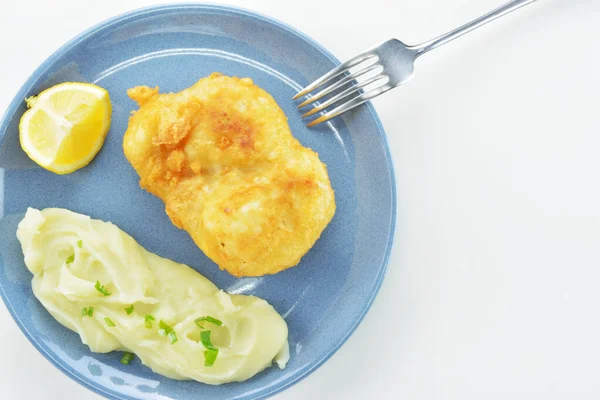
{"x": 148, "y": 321}
{"x": 164, "y": 328}
{"x": 129, "y": 310}
{"x": 127, "y": 358}
{"x": 208, "y": 318}
{"x": 70, "y": 259}
{"x": 87, "y": 312}
{"x": 109, "y": 322}
{"x": 101, "y": 289}
{"x": 80, "y": 243}
{"x": 210, "y": 356}
{"x": 205, "y": 339}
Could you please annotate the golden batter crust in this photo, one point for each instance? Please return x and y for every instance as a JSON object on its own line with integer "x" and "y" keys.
{"x": 221, "y": 156}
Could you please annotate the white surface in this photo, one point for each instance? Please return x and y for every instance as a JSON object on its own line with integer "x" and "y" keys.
{"x": 492, "y": 289}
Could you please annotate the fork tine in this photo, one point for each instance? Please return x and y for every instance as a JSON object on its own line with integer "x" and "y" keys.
{"x": 339, "y": 84}
{"x": 343, "y": 94}
{"x": 333, "y": 73}
{"x": 350, "y": 104}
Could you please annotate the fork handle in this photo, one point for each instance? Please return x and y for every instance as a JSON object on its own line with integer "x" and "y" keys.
{"x": 468, "y": 27}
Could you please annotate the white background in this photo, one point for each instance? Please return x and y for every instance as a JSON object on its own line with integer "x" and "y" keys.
{"x": 492, "y": 290}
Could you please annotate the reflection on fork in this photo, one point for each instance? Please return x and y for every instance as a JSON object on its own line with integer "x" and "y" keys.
{"x": 380, "y": 69}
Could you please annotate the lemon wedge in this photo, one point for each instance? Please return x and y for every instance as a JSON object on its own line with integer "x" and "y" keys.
{"x": 65, "y": 126}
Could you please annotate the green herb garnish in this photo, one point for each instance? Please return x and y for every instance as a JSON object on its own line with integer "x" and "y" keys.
{"x": 205, "y": 339}
{"x": 109, "y": 322}
{"x": 127, "y": 358}
{"x": 148, "y": 321}
{"x": 80, "y": 243}
{"x": 129, "y": 310}
{"x": 101, "y": 289}
{"x": 164, "y": 328}
{"x": 208, "y": 318}
{"x": 87, "y": 312}
{"x": 210, "y": 356}
{"x": 70, "y": 259}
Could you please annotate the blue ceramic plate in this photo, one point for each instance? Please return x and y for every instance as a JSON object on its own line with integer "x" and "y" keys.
{"x": 323, "y": 299}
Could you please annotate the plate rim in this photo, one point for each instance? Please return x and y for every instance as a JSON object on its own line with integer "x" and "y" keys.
{"x": 159, "y": 9}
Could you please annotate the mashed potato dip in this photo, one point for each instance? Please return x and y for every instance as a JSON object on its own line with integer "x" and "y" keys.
{"x": 99, "y": 282}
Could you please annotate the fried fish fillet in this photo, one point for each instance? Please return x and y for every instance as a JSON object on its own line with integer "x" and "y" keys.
{"x": 221, "y": 156}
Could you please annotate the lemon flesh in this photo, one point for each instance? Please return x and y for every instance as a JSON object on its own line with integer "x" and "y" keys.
{"x": 65, "y": 126}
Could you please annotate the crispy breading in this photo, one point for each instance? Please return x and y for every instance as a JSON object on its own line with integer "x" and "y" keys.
{"x": 221, "y": 156}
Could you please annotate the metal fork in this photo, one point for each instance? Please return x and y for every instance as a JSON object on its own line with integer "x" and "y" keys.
{"x": 395, "y": 62}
